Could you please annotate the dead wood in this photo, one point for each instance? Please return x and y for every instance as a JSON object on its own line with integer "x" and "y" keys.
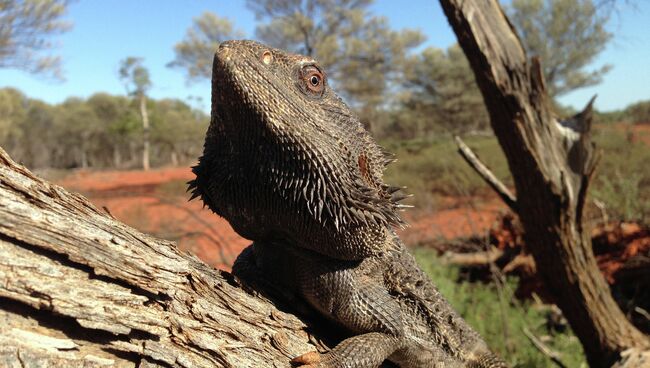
{"x": 472, "y": 159}
{"x": 552, "y": 162}
{"x": 78, "y": 288}
{"x": 474, "y": 259}
{"x": 548, "y": 352}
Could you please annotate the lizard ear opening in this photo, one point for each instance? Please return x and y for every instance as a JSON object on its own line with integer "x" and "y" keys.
{"x": 267, "y": 57}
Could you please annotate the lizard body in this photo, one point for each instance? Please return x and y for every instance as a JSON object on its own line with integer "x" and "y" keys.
{"x": 291, "y": 167}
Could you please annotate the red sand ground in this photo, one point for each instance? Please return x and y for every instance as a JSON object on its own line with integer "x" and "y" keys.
{"x": 453, "y": 219}
{"x": 154, "y": 202}
{"x": 142, "y": 200}
{"x": 634, "y": 132}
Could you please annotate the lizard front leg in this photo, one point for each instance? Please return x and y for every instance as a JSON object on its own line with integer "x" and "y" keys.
{"x": 348, "y": 294}
{"x": 344, "y": 292}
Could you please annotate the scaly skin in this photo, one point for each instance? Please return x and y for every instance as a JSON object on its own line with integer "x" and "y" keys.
{"x": 391, "y": 306}
{"x": 286, "y": 164}
{"x": 290, "y": 167}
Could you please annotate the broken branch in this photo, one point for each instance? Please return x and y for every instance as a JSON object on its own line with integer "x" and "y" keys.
{"x": 487, "y": 175}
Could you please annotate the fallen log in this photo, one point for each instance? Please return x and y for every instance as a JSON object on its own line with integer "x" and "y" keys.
{"x": 78, "y": 288}
{"x": 474, "y": 259}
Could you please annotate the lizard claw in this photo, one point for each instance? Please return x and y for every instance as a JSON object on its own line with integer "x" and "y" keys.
{"x": 307, "y": 360}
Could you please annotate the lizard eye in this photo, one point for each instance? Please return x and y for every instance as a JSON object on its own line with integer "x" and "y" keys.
{"x": 313, "y": 80}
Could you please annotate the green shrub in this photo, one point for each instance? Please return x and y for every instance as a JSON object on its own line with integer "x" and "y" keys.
{"x": 482, "y": 308}
{"x": 622, "y": 180}
{"x": 434, "y": 167}
{"x": 638, "y": 112}
{"x": 431, "y": 168}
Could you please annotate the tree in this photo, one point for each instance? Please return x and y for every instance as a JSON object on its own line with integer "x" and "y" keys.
{"x": 360, "y": 52}
{"x": 552, "y": 163}
{"x": 77, "y": 125}
{"x": 443, "y": 92}
{"x": 118, "y": 120}
{"x": 13, "y": 108}
{"x": 638, "y": 112}
{"x": 136, "y": 80}
{"x": 566, "y": 35}
{"x": 26, "y": 27}
{"x": 46, "y": 148}
{"x": 176, "y": 129}
{"x": 194, "y": 53}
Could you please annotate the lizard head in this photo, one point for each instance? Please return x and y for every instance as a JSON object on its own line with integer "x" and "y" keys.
{"x": 275, "y": 114}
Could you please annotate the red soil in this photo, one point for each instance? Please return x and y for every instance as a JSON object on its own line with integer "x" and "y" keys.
{"x": 455, "y": 219}
{"x": 143, "y": 200}
{"x": 88, "y": 181}
{"x": 621, "y": 250}
{"x": 155, "y": 202}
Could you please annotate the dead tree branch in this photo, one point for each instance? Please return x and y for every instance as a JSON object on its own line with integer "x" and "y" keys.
{"x": 553, "y": 355}
{"x": 480, "y": 258}
{"x": 486, "y": 174}
{"x": 552, "y": 162}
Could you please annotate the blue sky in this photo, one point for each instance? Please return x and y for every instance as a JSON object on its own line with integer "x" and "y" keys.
{"x": 104, "y": 32}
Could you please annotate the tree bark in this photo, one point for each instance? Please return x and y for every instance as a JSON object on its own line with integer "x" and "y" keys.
{"x": 552, "y": 163}
{"x": 78, "y": 288}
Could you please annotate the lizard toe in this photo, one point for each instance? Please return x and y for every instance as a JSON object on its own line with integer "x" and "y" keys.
{"x": 310, "y": 359}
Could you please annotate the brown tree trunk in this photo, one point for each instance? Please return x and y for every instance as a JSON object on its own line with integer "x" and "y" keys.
{"x": 78, "y": 288}
{"x": 145, "y": 132}
{"x": 117, "y": 156}
{"x": 552, "y": 163}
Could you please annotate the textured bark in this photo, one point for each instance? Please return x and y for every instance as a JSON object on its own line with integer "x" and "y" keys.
{"x": 78, "y": 288}
{"x": 552, "y": 163}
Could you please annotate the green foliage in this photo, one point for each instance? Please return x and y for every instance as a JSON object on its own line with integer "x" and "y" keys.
{"x": 134, "y": 76}
{"x": 174, "y": 139}
{"x": 194, "y": 53}
{"x": 442, "y": 93}
{"x": 638, "y": 113}
{"x": 607, "y": 117}
{"x": 501, "y": 320}
{"x": 622, "y": 180}
{"x": 26, "y": 27}
{"x": 78, "y": 126}
{"x": 12, "y": 111}
{"x": 31, "y": 151}
{"x": 433, "y": 166}
{"x": 567, "y": 35}
{"x": 102, "y": 131}
{"x": 361, "y": 53}
{"x": 117, "y": 113}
